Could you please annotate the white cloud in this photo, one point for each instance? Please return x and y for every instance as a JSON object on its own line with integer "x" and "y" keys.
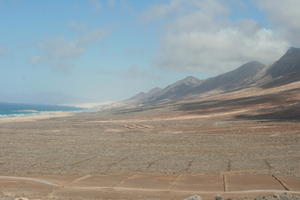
{"x": 284, "y": 16}
{"x": 161, "y": 10}
{"x": 204, "y": 39}
{"x": 60, "y": 51}
{"x": 96, "y": 5}
{"x": 166, "y": 9}
{"x": 215, "y": 52}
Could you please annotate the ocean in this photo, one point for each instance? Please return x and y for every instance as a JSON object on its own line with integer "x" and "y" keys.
{"x": 17, "y": 110}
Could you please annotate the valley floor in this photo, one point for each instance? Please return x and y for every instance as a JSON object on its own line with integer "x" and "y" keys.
{"x": 233, "y": 144}
{"x": 94, "y": 143}
{"x": 150, "y": 144}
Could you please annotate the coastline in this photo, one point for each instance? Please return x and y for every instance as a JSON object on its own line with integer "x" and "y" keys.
{"x": 29, "y": 118}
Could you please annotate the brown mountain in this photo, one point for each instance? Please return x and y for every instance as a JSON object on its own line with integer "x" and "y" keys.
{"x": 285, "y": 70}
{"x": 252, "y": 74}
{"x": 142, "y": 96}
{"x": 176, "y": 90}
{"x": 252, "y": 91}
{"x": 239, "y": 78}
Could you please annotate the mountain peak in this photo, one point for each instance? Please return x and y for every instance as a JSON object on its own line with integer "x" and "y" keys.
{"x": 189, "y": 80}
{"x": 292, "y": 51}
{"x": 287, "y": 64}
{"x": 286, "y": 69}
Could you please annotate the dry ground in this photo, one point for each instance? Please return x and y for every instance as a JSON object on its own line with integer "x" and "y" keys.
{"x": 87, "y": 144}
{"x": 216, "y": 136}
{"x": 156, "y": 141}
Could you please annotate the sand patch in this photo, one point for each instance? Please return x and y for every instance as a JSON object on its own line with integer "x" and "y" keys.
{"x": 35, "y": 117}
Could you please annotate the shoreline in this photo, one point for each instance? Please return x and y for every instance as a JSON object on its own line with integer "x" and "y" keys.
{"x": 37, "y": 116}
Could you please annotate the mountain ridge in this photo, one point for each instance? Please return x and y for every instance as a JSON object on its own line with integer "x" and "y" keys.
{"x": 285, "y": 70}
{"x": 252, "y": 74}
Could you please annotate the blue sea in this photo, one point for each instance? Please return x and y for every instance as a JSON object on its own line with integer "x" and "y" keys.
{"x": 17, "y": 110}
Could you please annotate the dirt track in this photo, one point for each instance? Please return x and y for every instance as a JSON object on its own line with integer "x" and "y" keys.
{"x": 146, "y": 186}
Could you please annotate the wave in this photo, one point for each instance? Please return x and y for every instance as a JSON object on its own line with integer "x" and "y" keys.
{"x": 34, "y": 114}
{"x": 8, "y": 110}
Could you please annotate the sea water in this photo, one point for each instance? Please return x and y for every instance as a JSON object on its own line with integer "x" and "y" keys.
{"x": 17, "y": 110}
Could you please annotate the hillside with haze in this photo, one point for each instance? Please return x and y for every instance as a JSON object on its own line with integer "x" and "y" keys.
{"x": 252, "y": 74}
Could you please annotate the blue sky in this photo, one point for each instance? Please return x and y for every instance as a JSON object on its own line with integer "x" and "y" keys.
{"x": 74, "y": 51}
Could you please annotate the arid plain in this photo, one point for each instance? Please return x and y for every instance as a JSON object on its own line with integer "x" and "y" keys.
{"x": 224, "y": 143}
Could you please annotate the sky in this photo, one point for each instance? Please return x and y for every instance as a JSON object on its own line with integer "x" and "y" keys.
{"x": 77, "y": 51}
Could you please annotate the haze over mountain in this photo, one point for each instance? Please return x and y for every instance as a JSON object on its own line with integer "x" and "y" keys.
{"x": 241, "y": 77}
{"x": 251, "y": 74}
{"x": 285, "y": 70}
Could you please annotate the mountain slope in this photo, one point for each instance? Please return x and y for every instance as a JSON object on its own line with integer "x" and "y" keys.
{"x": 238, "y": 78}
{"x": 142, "y": 96}
{"x": 285, "y": 70}
{"x": 176, "y": 90}
{"x": 252, "y": 74}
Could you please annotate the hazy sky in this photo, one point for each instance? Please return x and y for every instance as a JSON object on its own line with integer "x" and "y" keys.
{"x": 64, "y": 51}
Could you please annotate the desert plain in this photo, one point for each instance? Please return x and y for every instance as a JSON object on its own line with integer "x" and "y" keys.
{"x": 236, "y": 144}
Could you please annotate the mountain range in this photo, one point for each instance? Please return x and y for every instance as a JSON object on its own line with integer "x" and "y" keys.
{"x": 252, "y": 74}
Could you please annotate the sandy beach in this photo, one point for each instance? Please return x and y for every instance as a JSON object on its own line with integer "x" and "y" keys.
{"x": 46, "y": 115}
